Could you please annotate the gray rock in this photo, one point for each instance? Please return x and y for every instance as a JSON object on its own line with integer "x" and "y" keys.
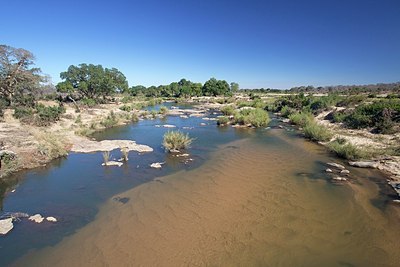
{"x": 336, "y": 165}
{"x": 338, "y": 178}
{"x": 328, "y": 170}
{"x": 345, "y": 172}
{"x": 364, "y": 164}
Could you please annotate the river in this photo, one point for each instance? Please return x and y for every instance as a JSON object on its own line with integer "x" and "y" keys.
{"x": 249, "y": 198}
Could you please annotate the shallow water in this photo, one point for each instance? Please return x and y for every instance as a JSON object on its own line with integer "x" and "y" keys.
{"x": 259, "y": 198}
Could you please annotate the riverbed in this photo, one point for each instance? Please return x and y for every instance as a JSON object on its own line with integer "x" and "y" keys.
{"x": 247, "y": 198}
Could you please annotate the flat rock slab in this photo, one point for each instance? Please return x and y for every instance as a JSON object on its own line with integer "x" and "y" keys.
{"x": 364, "y": 164}
{"x": 156, "y": 165}
{"x": 5, "y": 226}
{"x": 89, "y": 146}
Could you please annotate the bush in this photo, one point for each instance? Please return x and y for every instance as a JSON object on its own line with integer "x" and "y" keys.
{"x": 255, "y": 117}
{"x": 110, "y": 121}
{"x": 228, "y": 110}
{"x": 301, "y": 119}
{"x": 163, "y": 110}
{"x": 222, "y": 121}
{"x": 127, "y": 108}
{"x": 127, "y": 99}
{"x": 175, "y": 140}
{"x": 89, "y": 102}
{"x": 346, "y": 150}
{"x": 24, "y": 114}
{"x": 286, "y": 111}
{"x": 316, "y": 132}
{"x": 48, "y": 115}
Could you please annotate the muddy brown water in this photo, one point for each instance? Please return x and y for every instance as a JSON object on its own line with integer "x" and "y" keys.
{"x": 259, "y": 201}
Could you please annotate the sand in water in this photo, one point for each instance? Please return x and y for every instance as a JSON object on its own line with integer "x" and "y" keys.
{"x": 245, "y": 207}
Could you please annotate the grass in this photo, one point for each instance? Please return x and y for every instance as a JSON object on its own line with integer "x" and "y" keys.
{"x": 228, "y": 110}
{"x": 176, "y": 140}
{"x": 316, "y": 132}
{"x": 163, "y": 110}
{"x": 110, "y": 121}
{"x": 50, "y": 145}
{"x": 347, "y": 150}
{"x": 106, "y": 157}
{"x": 124, "y": 152}
{"x": 301, "y": 118}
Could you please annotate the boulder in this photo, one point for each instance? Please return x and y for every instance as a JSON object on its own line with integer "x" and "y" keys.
{"x": 5, "y": 226}
{"x": 338, "y": 178}
{"x": 36, "y": 218}
{"x": 336, "y": 165}
{"x": 157, "y": 165}
{"x": 345, "y": 172}
{"x": 328, "y": 170}
{"x": 364, "y": 164}
{"x": 169, "y": 126}
{"x": 51, "y": 219}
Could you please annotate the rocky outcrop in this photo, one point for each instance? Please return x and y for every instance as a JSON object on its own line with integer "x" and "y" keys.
{"x": 6, "y": 226}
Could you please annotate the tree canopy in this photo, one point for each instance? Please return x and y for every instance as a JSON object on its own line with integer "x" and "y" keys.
{"x": 92, "y": 81}
{"x": 214, "y": 87}
{"x": 17, "y": 76}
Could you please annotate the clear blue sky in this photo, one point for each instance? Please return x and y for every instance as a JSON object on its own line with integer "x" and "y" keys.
{"x": 276, "y": 44}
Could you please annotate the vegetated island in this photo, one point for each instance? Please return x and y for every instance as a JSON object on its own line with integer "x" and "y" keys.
{"x": 40, "y": 121}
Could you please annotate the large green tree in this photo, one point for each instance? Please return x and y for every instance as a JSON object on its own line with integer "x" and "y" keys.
{"x": 92, "y": 81}
{"x": 17, "y": 76}
{"x": 214, "y": 87}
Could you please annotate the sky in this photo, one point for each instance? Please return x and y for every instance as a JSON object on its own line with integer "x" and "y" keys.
{"x": 269, "y": 44}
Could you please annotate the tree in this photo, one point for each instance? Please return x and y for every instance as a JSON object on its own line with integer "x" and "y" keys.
{"x": 17, "y": 76}
{"x": 214, "y": 87}
{"x": 234, "y": 87}
{"x": 92, "y": 81}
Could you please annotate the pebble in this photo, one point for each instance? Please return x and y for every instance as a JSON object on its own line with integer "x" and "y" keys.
{"x": 51, "y": 219}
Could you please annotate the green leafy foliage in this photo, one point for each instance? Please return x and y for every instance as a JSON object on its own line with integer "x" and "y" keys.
{"x": 92, "y": 81}
{"x": 223, "y": 121}
{"x": 255, "y": 117}
{"x": 48, "y": 115}
{"x": 347, "y": 150}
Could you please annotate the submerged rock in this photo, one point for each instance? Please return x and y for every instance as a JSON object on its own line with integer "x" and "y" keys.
{"x": 169, "y": 126}
{"x": 364, "y": 164}
{"x": 37, "y": 218}
{"x": 336, "y": 165}
{"x": 5, "y": 226}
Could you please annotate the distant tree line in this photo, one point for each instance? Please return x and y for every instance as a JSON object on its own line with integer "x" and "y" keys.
{"x": 350, "y": 89}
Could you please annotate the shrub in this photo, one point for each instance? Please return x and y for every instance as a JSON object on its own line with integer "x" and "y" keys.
{"x": 222, "y": 121}
{"x": 255, "y": 117}
{"x": 89, "y": 102}
{"x": 258, "y": 103}
{"x": 176, "y": 140}
{"x": 47, "y": 115}
{"x": 24, "y": 114}
{"x": 50, "y": 145}
{"x": 126, "y": 99}
{"x": 346, "y": 150}
{"x": 110, "y": 121}
{"x": 316, "y": 132}
{"x": 125, "y": 153}
{"x": 126, "y": 108}
{"x": 134, "y": 117}
{"x": 163, "y": 110}
{"x": 301, "y": 119}
{"x": 351, "y": 101}
{"x": 228, "y": 110}
{"x": 286, "y": 111}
